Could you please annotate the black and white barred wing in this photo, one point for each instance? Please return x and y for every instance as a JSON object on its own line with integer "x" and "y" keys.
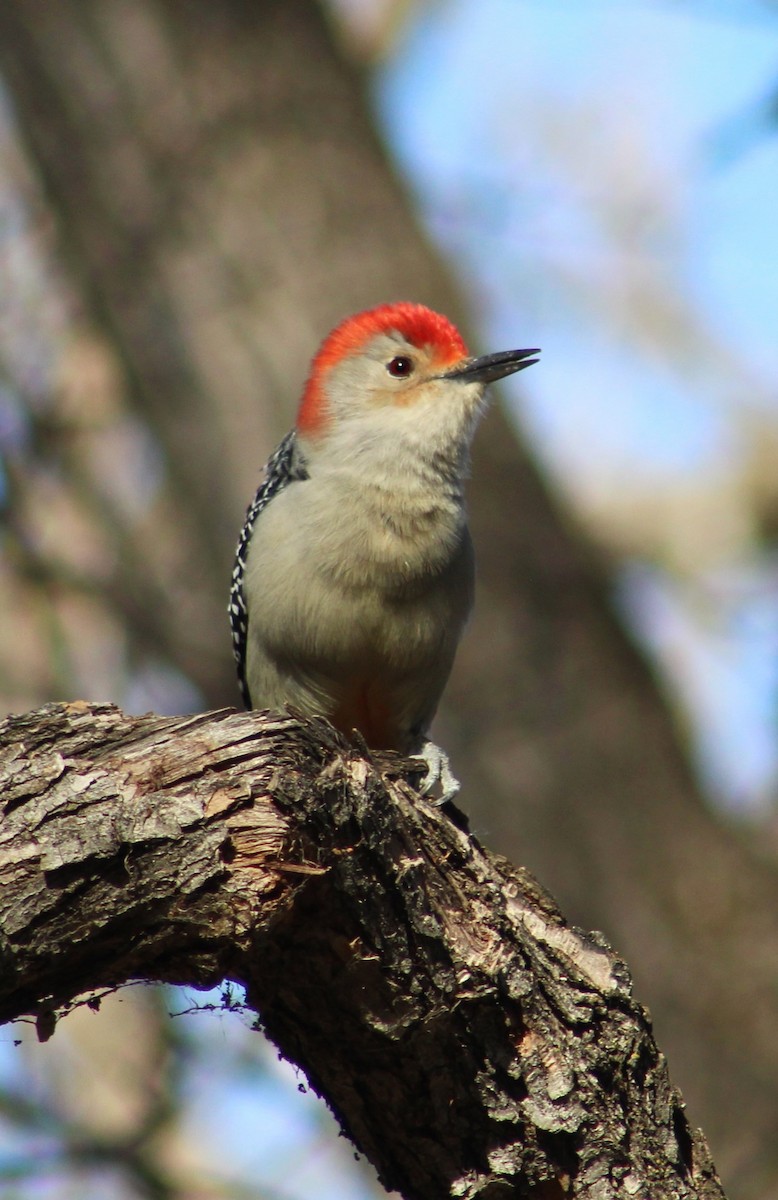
{"x": 282, "y": 468}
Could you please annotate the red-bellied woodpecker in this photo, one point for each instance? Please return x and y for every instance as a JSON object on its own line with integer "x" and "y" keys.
{"x": 354, "y": 571}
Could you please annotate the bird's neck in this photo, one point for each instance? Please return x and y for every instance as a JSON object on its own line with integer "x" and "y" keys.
{"x": 409, "y": 468}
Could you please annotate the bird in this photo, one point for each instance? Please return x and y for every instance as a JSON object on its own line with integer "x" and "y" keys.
{"x": 354, "y": 570}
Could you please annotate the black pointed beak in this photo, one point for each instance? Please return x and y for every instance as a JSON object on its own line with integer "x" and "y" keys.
{"x": 492, "y": 366}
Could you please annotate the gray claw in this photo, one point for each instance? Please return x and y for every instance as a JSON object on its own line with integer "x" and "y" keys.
{"x": 439, "y": 773}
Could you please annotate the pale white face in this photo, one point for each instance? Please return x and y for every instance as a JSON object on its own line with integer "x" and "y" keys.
{"x": 390, "y": 396}
{"x": 391, "y": 373}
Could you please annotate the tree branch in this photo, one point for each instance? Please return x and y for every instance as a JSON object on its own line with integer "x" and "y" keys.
{"x": 469, "y": 1041}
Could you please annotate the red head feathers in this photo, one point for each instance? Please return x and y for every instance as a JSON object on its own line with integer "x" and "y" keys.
{"x": 418, "y": 325}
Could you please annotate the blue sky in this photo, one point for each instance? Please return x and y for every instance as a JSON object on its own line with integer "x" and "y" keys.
{"x": 454, "y": 100}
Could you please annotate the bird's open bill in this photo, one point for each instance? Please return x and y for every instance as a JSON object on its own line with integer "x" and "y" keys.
{"x": 489, "y": 367}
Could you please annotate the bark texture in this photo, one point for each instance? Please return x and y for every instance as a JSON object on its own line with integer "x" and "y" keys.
{"x": 469, "y": 1041}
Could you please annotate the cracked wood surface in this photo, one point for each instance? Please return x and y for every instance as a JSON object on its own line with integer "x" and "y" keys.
{"x": 469, "y": 1041}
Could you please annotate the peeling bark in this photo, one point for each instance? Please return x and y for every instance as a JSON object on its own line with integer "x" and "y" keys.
{"x": 470, "y": 1042}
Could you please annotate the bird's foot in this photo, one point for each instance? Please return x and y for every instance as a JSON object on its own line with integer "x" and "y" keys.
{"x": 439, "y": 774}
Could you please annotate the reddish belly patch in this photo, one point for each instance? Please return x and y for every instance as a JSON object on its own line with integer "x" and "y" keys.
{"x": 367, "y": 708}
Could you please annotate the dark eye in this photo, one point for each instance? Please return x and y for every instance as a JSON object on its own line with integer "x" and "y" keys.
{"x": 401, "y": 366}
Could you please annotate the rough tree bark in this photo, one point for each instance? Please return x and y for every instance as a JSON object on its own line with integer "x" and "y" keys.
{"x": 469, "y": 1041}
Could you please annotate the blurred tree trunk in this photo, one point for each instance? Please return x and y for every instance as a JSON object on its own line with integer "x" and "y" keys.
{"x": 223, "y": 199}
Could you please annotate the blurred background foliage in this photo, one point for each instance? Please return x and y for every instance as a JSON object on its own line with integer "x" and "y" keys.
{"x": 189, "y": 198}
